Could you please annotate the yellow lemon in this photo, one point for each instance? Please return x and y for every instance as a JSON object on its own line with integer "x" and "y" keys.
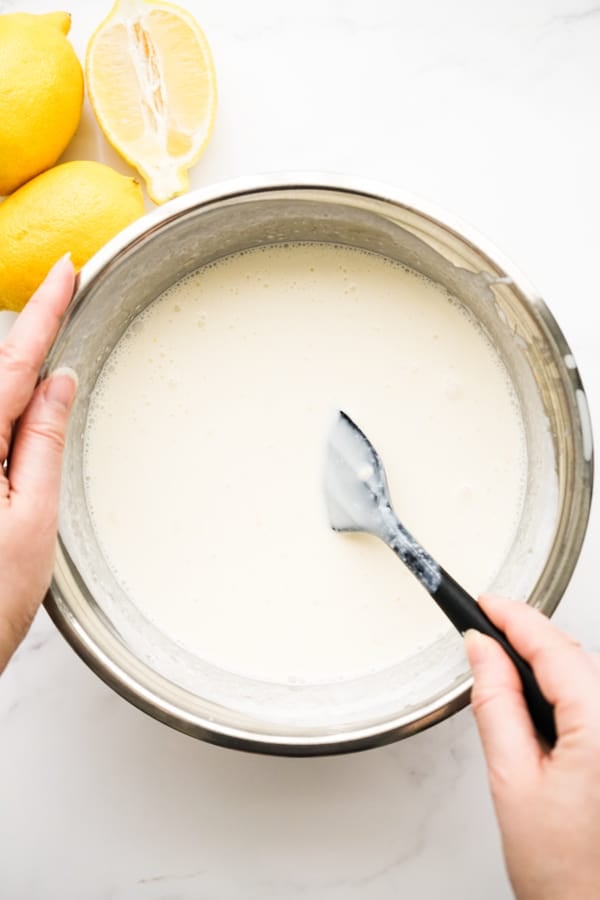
{"x": 77, "y": 206}
{"x": 41, "y": 93}
{"x": 152, "y": 84}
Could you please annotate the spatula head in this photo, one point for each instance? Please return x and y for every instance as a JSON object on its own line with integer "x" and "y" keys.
{"x": 357, "y": 499}
{"x": 355, "y": 483}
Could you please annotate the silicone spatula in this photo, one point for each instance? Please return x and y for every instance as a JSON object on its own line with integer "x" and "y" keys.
{"x": 358, "y": 499}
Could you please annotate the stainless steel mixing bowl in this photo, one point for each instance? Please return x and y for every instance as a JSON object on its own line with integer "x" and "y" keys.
{"x": 146, "y": 667}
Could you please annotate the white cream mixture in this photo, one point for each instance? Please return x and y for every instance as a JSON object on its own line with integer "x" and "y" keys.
{"x": 205, "y": 449}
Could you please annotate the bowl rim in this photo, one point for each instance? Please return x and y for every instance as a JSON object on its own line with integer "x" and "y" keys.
{"x": 456, "y": 697}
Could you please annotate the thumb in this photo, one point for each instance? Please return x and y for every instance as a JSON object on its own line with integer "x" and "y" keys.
{"x": 37, "y": 451}
{"x": 509, "y": 741}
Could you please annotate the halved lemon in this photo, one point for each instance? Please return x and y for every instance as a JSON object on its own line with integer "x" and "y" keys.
{"x": 152, "y": 84}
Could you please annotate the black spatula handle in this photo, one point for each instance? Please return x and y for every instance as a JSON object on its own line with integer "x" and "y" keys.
{"x": 465, "y": 613}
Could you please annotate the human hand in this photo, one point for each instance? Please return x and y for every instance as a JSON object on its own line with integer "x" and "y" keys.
{"x": 33, "y": 423}
{"x": 547, "y": 801}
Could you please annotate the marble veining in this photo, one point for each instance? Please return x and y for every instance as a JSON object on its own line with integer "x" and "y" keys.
{"x": 580, "y": 16}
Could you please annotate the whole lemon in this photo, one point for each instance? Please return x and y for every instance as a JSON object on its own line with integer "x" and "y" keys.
{"x": 77, "y": 206}
{"x": 41, "y": 94}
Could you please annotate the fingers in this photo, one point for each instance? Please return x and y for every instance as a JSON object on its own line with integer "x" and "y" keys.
{"x": 28, "y": 342}
{"x": 565, "y": 673}
{"x": 4, "y": 487}
{"x": 509, "y": 741}
{"x": 37, "y": 453}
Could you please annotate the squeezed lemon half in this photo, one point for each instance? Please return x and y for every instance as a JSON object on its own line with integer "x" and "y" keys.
{"x": 152, "y": 84}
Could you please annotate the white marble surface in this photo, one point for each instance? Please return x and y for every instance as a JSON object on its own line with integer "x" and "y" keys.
{"x": 491, "y": 110}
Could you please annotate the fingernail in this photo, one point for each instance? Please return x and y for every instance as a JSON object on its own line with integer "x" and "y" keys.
{"x": 59, "y": 265}
{"x": 62, "y": 386}
{"x": 475, "y": 646}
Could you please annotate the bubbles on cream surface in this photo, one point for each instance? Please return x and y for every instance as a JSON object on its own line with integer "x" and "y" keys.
{"x": 205, "y": 445}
